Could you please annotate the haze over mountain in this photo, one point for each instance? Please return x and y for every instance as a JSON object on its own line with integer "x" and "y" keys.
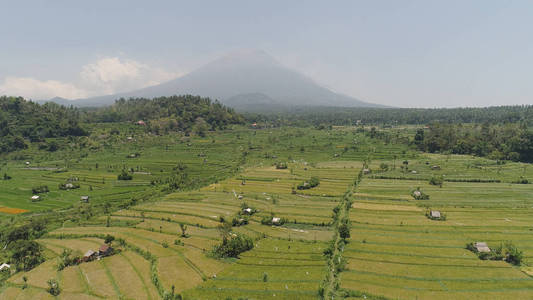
{"x": 246, "y": 80}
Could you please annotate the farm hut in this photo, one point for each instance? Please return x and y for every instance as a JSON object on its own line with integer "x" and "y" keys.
{"x": 27, "y": 163}
{"x": 89, "y": 255}
{"x": 141, "y": 122}
{"x": 435, "y": 167}
{"x": 105, "y": 250}
{"x": 247, "y": 211}
{"x": 435, "y": 214}
{"x": 69, "y": 185}
{"x": 417, "y": 193}
{"x": 481, "y": 247}
{"x": 84, "y": 199}
{"x": 414, "y": 172}
{"x": 275, "y": 220}
{"x": 240, "y": 197}
{"x": 130, "y": 138}
{"x": 4, "y": 266}
{"x": 366, "y": 171}
{"x": 35, "y": 197}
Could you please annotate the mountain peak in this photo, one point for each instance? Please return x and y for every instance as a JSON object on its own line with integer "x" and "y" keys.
{"x": 243, "y": 78}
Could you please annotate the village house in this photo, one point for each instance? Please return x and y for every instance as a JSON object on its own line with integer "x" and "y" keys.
{"x": 4, "y": 266}
{"x": 247, "y": 211}
{"x": 275, "y": 220}
{"x": 35, "y": 197}
{"x": 435, "y": 214}
{"x": 105, "y": 250}
{"x": 84, "y": 199}
{"x": 89, "y": 255}
{"x": 481, "y": 247}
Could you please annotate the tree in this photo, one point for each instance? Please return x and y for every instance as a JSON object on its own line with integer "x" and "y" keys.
{"x": 109, "y": 239}
{"x": 53, "y": 287}
{"x": 183, "y": 228}
{"x": 26, "y": 254}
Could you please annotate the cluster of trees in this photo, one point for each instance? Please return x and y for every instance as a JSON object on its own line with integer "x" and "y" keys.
{"x": 321, "y": 116}
{"x": 175, "y": 113}
{"x": 511, "y": 141}
{"x": 22, "y": 121}
{"x": 20, "y": 247}
{"x": 507, "y": 252}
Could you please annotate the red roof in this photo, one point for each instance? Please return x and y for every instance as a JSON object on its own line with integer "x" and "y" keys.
{"x": 104, "y": 248}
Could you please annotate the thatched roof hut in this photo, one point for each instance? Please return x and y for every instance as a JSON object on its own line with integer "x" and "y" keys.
{"x": 435, "y": 214}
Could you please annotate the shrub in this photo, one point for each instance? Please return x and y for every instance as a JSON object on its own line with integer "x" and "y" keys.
{"x": 6, "y": 177}
{"x": 311, "y": 183}
{"x": 40, "y": 189}
{"x": 436, "y": 180}
{"x": 53, "y": 287}
{"x": 233, "y": 246}
{"x": 124, "y": 176}
{"x": 108, "y": 239}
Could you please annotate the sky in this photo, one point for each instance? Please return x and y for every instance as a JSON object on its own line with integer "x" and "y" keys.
{"x": 424, "y": 53}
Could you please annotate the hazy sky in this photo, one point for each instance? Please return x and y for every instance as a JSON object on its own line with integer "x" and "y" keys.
{"x": 403, "y": 53}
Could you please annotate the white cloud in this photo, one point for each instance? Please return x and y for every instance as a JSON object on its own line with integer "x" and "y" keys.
{"x": 36, "y": 89}
{"x": 107, "y": 75}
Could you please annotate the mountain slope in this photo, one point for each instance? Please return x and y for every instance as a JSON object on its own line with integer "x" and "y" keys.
{"x": 248, "y": 76}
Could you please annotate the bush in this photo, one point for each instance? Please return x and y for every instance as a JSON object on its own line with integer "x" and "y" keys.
{"x": 6, "y": 177}
{"x": 233, "y": 246}
{"x": 522, "y": 180}
{"x": 40, "y": 189}
{"x": 311, "y": 183}
{"x": 68, "y": 186}
{"x": 436, "y": 180}
{"x": 53, "y": 287}
{"x": 124, "y": 176}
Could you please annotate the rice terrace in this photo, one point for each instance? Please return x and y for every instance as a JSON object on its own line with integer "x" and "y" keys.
{"x": 280, "y": 150}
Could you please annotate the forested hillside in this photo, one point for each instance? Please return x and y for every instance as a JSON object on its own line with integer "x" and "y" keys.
{"x": 23, "y": 121}
{"x": 174, "y": 113}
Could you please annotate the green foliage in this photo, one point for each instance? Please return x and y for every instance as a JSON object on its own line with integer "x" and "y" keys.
{"x": 183, "y": 229}
{"x": 281, "y": 165}
{"x": 108, "y": 239}
{"x": 233, "y": 246}
{"x": 436, "y": 180}
{"x": 26, "y": 254}
{"x": 53, "y": 287}
{"x": 124, "y": 175}
{"x": 175, "y": 113}
{"x": 66, "y": 259}
{"x": 40, "y": 189}
{"x": 309, "y": 184}
{"x": 22, "y": 120}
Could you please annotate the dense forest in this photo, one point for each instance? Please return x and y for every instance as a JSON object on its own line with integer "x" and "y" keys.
{"x": 511, "y": 141}
{"x": 304, "y": 116}
{"x": 175, "y": 113}
{"x": 22, "y": 121}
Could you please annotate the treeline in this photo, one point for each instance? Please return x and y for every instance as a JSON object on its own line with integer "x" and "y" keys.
{"x": 174, "y": 113}
{"x": 511, "y": 141}
{"x": 22, "y": 121}
{"x": 316, "y": 116}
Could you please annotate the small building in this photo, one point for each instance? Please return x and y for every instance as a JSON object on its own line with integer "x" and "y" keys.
{"x": 481, "y": 247}
{"x": 105, "y": 250}
{"x": 35, "y": 198}
{"x": 435, "y": 214}
{"x": 417, "y": 193}
{"x": 89, "y": 255}
{"x": 84, "y": 199}
{"x": 27, "y": 163}
{"x": 435, "y": 167}
{"x": 247, "y": 211}
{"x": 366, "y": 171}
{"x": 4, "y": 266}
{"x": 275, "y": 220}
{"x": 141, "y": 122}
{"x": 69, "y": 185}
{"x": 240, "y": 197}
